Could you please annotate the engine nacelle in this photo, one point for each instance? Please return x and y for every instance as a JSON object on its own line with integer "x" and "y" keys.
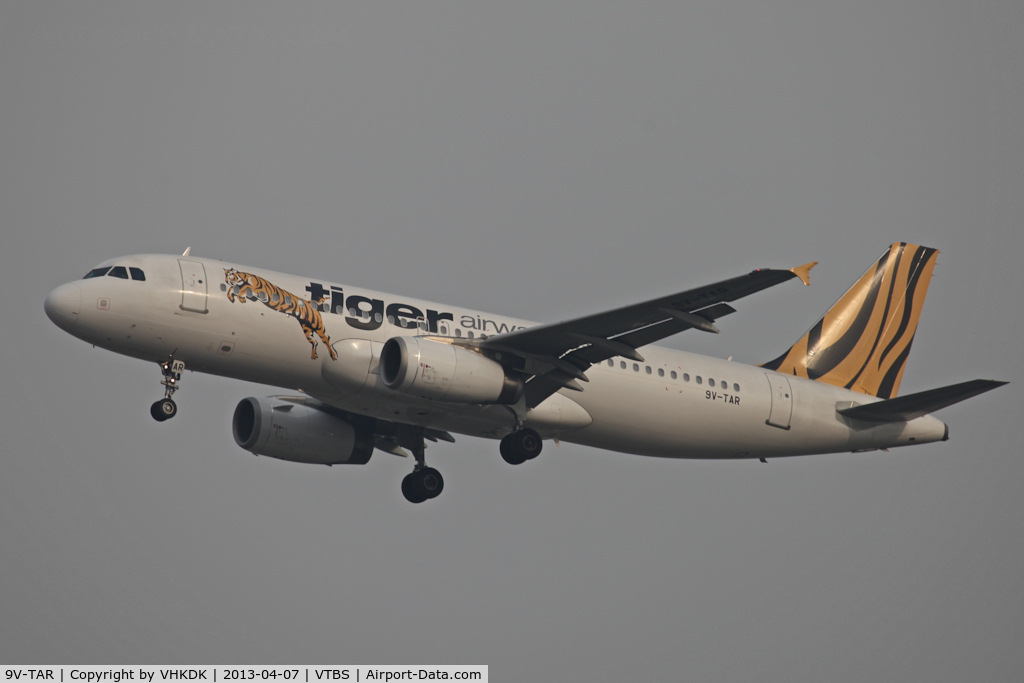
{"x": 299, "y": 433}
{"x": 445, "y": 372}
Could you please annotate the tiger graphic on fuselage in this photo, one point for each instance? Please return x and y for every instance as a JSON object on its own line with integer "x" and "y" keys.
{"x": 242, "y": 286}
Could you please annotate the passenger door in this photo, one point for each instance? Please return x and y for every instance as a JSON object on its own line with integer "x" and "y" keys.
{"x": 782, "y": 400}
{"x": 193, "y": 286}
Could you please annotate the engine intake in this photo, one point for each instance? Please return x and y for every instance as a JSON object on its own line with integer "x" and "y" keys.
{"x": 445, "y": 372}
{"x": 298, "y": 433}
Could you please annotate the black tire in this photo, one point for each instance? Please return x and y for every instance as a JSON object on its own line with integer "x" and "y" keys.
{"x": 529, "y": 443}
{"x": 508, "y": 451}
{"x": 520, "y": 446}
{"x": 431, "y": 482}
{"x": 163, "y": 409}
{"x": 412, "y": 488}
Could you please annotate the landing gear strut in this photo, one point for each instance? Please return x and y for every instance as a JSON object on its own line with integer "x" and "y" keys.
{"x": 423, "y": 483}
{"x": 166, "y": 408}
{"x": 520, "y": 446}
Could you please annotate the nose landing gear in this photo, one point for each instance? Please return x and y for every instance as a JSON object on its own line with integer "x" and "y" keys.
{"x": 166, "y": 408}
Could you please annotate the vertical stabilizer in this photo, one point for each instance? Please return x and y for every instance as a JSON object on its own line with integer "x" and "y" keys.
{"x": 863, "y": 341}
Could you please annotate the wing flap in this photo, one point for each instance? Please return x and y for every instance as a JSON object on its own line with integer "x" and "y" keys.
{"x": 922, "y": 403}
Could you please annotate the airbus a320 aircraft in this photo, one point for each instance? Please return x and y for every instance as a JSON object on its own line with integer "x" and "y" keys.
{"x": 377, "y": 371}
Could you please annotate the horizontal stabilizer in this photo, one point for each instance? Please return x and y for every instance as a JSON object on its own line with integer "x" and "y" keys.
{"x": 912, "y": 406}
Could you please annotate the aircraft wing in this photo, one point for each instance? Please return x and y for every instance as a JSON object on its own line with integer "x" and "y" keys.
{"x": 556, "y": 355}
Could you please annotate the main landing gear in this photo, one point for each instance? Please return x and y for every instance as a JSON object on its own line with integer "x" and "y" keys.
{"x": 520, "y": 446}
{"x": 166, "y": 408}
{"x": 423, "y": 483}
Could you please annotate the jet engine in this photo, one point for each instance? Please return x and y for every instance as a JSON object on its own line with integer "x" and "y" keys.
{"x": 445, "y": 372}
{"x": 299, "y": 433}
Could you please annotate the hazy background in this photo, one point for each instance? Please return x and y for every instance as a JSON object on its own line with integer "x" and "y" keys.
{"x": 541, "y": 160}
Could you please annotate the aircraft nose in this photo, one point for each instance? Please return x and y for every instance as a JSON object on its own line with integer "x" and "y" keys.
{"x": 63, "y": 304}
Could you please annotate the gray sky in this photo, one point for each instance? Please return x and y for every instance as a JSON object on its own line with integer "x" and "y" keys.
{"x": 541, "y": 160}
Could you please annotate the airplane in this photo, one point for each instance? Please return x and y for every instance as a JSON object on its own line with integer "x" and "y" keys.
{"x": 376, "y": 371}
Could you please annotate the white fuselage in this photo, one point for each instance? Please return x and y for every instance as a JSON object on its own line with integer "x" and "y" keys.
{"x": 675, "y": 404}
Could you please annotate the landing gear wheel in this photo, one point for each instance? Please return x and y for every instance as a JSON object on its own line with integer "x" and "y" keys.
{"x": 508, "y": 454}
{"x": 422, "y": 485}
{"x": 520, "y": 446}
{"x": 432, "y": 482}
{"x": 164, "y": 409}
{"x": 411, "y": 489}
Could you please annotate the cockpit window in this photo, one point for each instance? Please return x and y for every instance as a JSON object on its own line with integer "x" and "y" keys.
{"x": 117, "y": 271}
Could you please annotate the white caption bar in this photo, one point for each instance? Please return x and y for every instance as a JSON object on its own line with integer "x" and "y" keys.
{"x": 227, "y": 674}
